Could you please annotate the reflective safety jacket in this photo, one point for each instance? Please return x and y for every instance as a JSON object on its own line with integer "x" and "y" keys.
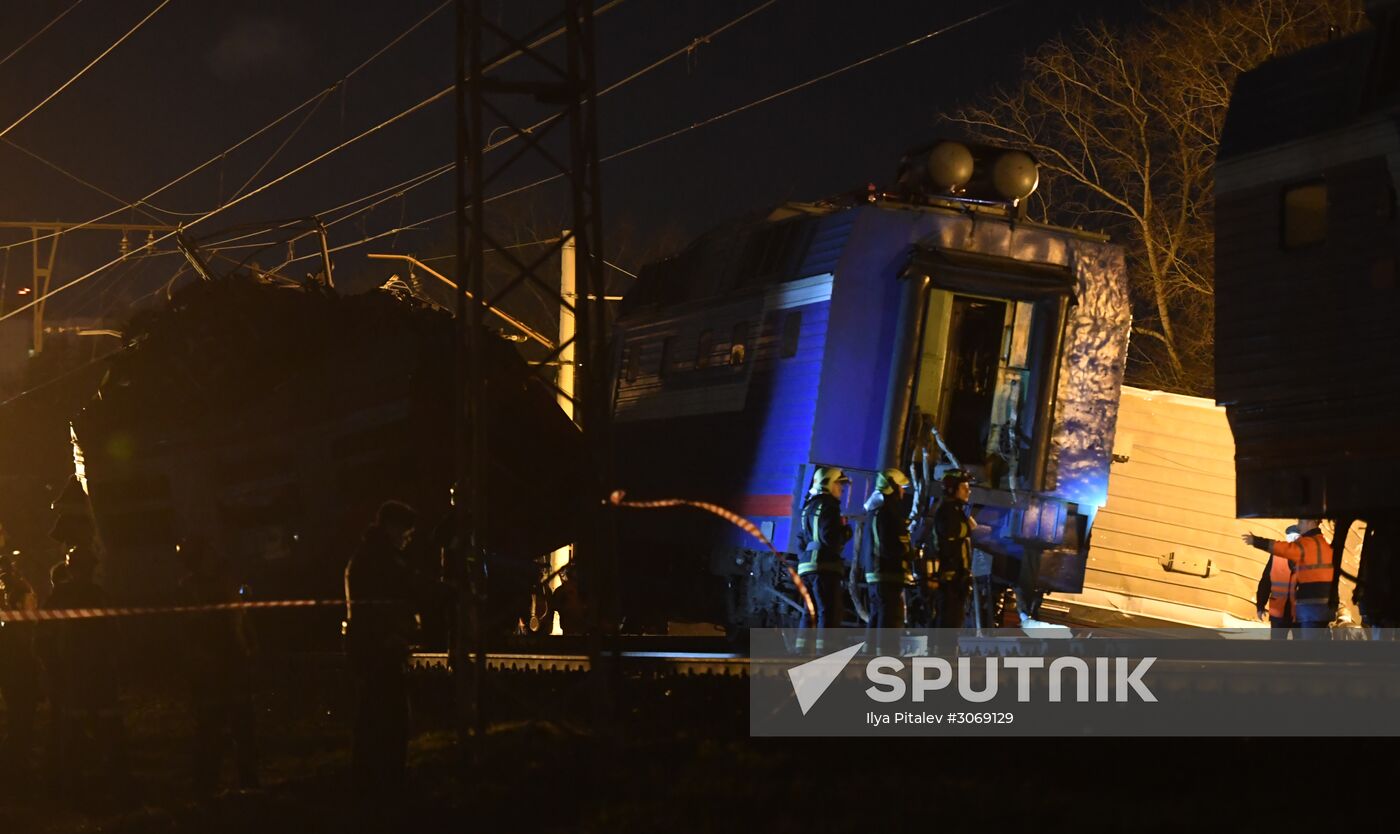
{"x": 1276, "y": 588}
{"x": 822, "y": 535}
{"x": 1311, "y": 557}
{"x": 889, "y": 552}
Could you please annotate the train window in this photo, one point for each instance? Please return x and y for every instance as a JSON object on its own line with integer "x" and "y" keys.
{"x": 792, "y": 329}
{"x": 703, "y": 347}
{"x": 1304, "y": 215}
{"x": 739, "y": 344}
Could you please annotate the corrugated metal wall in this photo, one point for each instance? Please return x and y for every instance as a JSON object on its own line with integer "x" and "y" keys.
{"x": 1175, "y": 494}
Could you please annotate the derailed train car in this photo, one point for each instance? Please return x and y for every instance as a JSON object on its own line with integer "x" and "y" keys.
{"x": 839, "y": 333}
{"x": 272, "y": 419}
{"x": 1308, "y": 291}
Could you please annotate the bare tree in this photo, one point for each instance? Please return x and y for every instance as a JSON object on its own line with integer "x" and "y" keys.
{"x": 1125, "y": 123}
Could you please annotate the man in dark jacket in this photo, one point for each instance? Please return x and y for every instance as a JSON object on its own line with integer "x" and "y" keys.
{"x": 1275, "y": 593}
{"x": 218, "y": 649}
{"x": 822, "y": 535}
{"x": 887, "y": 569}
{"x": 380, "y": 593}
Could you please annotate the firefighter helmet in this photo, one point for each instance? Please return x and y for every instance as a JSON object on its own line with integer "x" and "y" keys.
{"x": 887, "y": 480}
{"x": 824, "y": 476}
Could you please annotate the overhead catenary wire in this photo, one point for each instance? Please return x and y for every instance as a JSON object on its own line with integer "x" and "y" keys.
{"x": 81, "y": 181}
{"x": 90, "y": 64}
{"x": 277, "y": 151}
{"x": 424, "y": 178}
{"x": 235, "y": 146}
{"x": 319, "y": 158}
{"x": 432, "y": 174}
{"x": 42, "y": 30}
{"x": 694, "y": 126}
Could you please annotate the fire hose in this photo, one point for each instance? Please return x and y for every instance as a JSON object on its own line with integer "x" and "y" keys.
{"x": 616, "y": 500}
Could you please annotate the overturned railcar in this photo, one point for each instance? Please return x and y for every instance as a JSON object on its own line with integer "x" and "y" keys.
{"x": 271, "y": 420}
{"x": 840, "y": 333}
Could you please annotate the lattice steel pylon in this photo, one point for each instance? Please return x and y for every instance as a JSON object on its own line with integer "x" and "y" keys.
{"x": 483, "y": 90}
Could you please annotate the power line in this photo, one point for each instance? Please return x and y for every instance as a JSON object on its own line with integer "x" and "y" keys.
{"x": 809, "y": 82}
{"x": 528, "y": 243}
{"x": 35, "y": 36}
{"x": 432, "y": 174}
{"x": 607, "y": 262}
{"x": 403, "y": 114}
{"x": 648, "y": 143}
{"x": 51, "y": 96}
{"x": 281, "y": 147}
{"x": 320, "y": 157}
{"x": 235, "y": 146}
{"x": 428, "y": 176}
{"x": 65, "y": 172}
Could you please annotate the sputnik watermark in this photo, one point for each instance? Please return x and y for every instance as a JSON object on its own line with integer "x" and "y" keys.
{"x": 931, "y": 674}
{"x": 1014, "y": 682}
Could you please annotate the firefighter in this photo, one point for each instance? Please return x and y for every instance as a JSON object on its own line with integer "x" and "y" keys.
{"x": 953, "y": 533}
{"x": 1311, "y": 557}
{"x": 379, "y": 602}
{"x": 1275, "y": 594}
{"x": 19, "y": 669}
{"x": 887, "y": 569}
{"x": 218, "y": 649}
{"x": 822, "y": 535}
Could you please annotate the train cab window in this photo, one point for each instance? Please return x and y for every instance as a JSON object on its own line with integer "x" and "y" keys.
{"x": 792, "y": 330}
{"x": 739, "y": 345}
{"x": 1304, "y": 215}
{"x": 704, "y": 346}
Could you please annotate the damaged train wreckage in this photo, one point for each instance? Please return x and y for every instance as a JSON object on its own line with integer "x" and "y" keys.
{"x": 272, "y": 417}
{"x": 847, "y": 332}
{"x": 841, "y": 333}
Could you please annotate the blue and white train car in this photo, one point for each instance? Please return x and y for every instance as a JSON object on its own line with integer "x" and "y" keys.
{"x": 839, "y": 333}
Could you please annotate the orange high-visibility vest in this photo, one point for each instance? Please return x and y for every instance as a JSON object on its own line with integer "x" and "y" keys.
{"x": 1281, "y": 582}
{"x": 1311, "y": 556}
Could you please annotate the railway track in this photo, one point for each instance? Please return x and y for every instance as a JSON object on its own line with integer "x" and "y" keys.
{"x": 645, "y": 663}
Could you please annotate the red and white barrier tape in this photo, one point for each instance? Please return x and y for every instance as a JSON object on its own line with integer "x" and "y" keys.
{"x": 615, "y": 499}
{"x": 44, "y": 615}
{"x": 734, "y": 518}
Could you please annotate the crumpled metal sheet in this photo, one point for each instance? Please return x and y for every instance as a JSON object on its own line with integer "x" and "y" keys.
{"x": 1091, "y": 374}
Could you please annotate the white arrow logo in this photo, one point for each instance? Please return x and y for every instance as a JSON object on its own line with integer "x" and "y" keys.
{"x": 813, "y": 678}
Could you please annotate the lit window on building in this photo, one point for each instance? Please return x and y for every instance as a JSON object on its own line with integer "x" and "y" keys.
{"x": 1304, "y": 215}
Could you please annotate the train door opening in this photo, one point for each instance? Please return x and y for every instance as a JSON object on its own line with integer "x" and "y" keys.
{"x": 981, "y": 372}
{"x": 969, "y": 385}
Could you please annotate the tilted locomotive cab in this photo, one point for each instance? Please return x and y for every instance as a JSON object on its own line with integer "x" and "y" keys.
{"x": 839, "y": 333}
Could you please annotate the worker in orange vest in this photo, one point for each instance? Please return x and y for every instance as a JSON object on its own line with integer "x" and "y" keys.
{"x": 1275, "y": 595}
{"x": 1311, "y": 556}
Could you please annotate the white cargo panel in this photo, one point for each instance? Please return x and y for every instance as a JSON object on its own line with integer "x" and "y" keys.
{"x": 1166, "y": 546}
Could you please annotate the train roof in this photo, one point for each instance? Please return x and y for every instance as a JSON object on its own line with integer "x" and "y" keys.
{"x": 789, "y": 241}
{"x": 1313, "y": 91}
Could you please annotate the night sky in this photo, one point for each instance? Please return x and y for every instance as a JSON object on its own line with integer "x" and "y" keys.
{"x": 202, "y": 75}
